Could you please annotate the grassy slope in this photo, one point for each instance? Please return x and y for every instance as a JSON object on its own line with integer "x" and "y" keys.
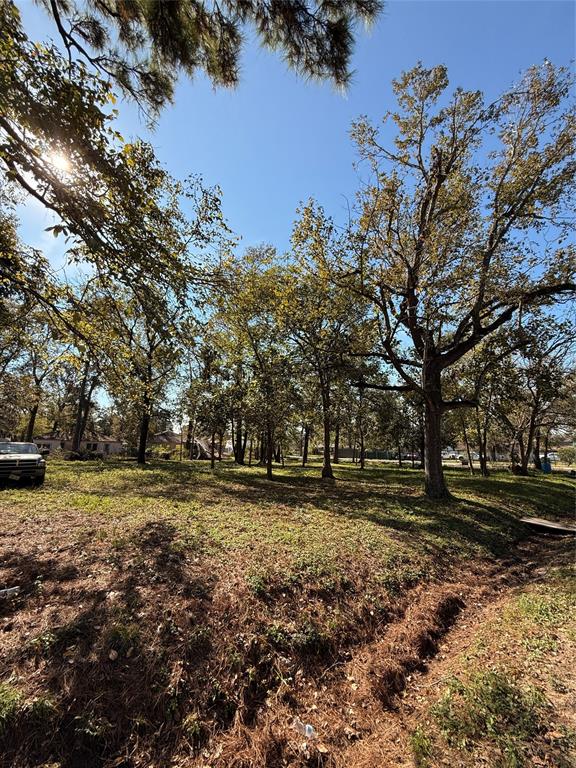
{"x": 161, "y": 605}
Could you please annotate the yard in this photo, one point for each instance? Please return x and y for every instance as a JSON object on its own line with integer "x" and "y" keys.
{"x": 171, "y": 616}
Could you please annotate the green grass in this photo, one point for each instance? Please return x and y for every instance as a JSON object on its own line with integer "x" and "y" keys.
{"x": 172, "y": 593}
{"x": 491, "y": 706}
{"x": 10, "y": 700}
{"x": 295, "y": 527}
{"x": 502, "y": 699}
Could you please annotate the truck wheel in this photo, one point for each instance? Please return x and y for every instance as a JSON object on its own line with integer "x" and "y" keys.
{"x": 38, "y": 481}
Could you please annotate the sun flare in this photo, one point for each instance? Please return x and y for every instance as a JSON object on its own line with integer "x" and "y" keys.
{"x": 59, "y": 161}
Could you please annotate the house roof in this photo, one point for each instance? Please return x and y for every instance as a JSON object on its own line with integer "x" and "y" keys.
{"x": 168, "y": 436}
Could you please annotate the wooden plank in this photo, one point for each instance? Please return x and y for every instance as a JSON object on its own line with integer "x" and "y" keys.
{"x": 549, "y": 525}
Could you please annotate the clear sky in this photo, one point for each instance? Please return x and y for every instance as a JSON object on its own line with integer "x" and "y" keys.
{"x": 276, "y": 139}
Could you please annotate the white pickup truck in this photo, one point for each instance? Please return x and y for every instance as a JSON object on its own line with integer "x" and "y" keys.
{"x": 21, "y": 461}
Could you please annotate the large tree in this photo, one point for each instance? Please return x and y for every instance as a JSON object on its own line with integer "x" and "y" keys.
{"x": 117, "y": 206}
{"x": 464, "y": 221}
{"x": 532, "y": 383}
{"x": 247, "y": 304}
{"x": 319, "y": 318}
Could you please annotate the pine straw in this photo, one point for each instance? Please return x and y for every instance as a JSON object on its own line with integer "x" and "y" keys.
{"x": 345, "y": 703}
{"x": 202, "y": 671}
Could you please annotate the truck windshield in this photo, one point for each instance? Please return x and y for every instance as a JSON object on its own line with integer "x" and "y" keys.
{"x": 18, "y": 448}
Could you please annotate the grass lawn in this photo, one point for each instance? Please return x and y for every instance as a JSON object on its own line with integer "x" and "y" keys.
{"x": 168, "y": 614}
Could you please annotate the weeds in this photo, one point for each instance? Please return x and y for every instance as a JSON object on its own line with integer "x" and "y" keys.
{"x": 491, "y": 707}
{"x": 10, "y": 701}
{"x": 92, "y": 727}
{"x": 421, "y": 745}
{"x": 193, "y": 729}
{"x": 122, "y": 637}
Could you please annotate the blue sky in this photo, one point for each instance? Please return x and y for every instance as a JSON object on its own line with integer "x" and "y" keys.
{"x": 276, "y": 139}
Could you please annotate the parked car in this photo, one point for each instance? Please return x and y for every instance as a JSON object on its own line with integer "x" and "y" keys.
{"x": 21, "y": 461}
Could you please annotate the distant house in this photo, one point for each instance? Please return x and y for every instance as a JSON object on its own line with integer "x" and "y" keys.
{"x": 108, "y": 446}
{"x": 168, "y": 438}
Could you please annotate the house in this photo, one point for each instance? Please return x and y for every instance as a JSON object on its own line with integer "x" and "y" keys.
{"x": 168, "y": 438}
{"x": 108, "y": 446}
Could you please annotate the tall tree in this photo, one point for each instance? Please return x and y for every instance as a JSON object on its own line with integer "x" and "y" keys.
{"x": 440, "y": 247}
{"x": 319, "y": 317}
{"x": 536, "y": 378}
{"x": 134, "y": 336}
{"x": 247, "y": 310}
{"x": 42, "y": 352}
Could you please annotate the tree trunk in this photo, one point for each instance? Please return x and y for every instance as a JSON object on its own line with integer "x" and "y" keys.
{"x": 482, "y": 451}
{"x": 306, "y": 443}
{"x": 467, "y": 444}
{"x": 77, "y": 436}
{"x": 193, "y": 442}
{"x": 532, "y": 429}
{"x": 422, "y": 442}
{"x": 434, "y": 482}
{"x": 269, "y": 451}
{"x": 336, "y": 457}
{"x": 143, "y": 437}
{"x": 29, "y": 437}
{"x": 524, "y": 456}
{"x": 239, "y": 445}
{"x": 220, "y": 440}
{"x": 326, "y": 465}
{"x": 536, "y": 452}
{"x": 87, "y": 404}
{"x": 250, "y": 451}
{"x": 212, "y": 450}
{"x": 327, "y": 473}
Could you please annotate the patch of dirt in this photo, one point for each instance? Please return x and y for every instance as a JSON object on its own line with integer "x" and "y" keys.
{"x": 387, "y": 745}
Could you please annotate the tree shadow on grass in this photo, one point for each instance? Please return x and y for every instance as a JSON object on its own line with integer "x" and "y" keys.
{"x": 112, "y": 661}
{"x": 388, "y": 497}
